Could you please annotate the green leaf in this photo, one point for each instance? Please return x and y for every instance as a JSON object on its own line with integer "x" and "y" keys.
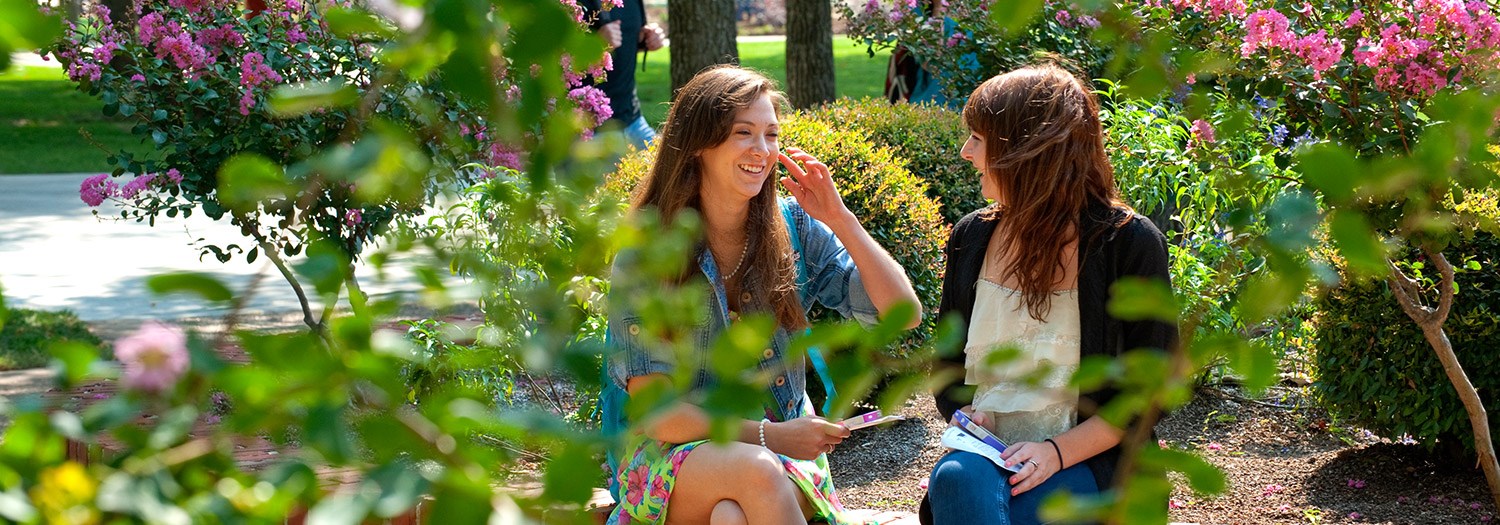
{"x": 400, "y": 488}
{"x": 1014, "y": 15}
{"x": 1472, "y": 265}
{"x": 565, "y": 478}
{"x": 341, "y": 509}
{"x": 1267, "y": 294}
{"x": 73, "y": 361}
{"x": 1202, "y": 476}
{"x": 1331, "y": 170}
{"x": 301, "y": 99}
{"x": 247, "y": 178}
{"x": 171, "y": 427}
{"x": 324, "y": 266}
{"x": 349, "y": 22}
{"x": 202, "y": 284}
{"x": 24, "y": 27}
{"x": 1357, "y": 242}
{"x": 1138, "y": 299}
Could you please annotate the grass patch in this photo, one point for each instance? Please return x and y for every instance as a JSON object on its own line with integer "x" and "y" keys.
{"x": 856, "y": 73}
{"x": 26, "y": 334}
{"x": 48, "y": 126}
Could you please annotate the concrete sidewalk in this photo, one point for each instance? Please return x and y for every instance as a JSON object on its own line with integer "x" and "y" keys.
{"x": 55, "y": 254}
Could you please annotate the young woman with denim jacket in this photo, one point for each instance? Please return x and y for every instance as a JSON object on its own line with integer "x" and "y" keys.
{"x": 715, "y": 157}
{"x": 1033, "y": 272}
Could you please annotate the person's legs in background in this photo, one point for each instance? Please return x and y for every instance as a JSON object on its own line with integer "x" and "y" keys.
{"x": 639, "y": 134}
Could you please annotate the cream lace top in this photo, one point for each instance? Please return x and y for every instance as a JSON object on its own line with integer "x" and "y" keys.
{"x": 1026, "y": 393}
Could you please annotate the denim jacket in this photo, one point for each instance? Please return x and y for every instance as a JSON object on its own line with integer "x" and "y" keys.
{"x": 831, "y": 280}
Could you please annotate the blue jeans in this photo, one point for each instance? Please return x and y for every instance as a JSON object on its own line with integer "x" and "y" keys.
{"x": 638, "y": 133}
{"x": 967, "y": 488}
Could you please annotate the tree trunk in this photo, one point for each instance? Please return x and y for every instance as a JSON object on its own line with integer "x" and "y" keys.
{"x": 702, "y": 34}
{"x": 1431, "y": 320}
{"x": 809, "y": 52}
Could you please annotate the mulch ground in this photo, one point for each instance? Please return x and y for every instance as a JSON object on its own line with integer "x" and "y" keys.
{"x": 1283, "y": 461}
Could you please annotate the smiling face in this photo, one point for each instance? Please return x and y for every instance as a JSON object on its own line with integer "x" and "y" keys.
{"x": 737, "y": 169}
{"x": 975, "y": 152}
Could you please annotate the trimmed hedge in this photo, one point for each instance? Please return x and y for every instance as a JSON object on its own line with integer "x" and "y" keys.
{"x": 890, "y": 202}
{"x": 1377, "y": 370}
{"x": 927, "y": 137}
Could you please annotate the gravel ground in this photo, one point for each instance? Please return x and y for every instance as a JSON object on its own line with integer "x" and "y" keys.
{"x": 1284, "y": 464}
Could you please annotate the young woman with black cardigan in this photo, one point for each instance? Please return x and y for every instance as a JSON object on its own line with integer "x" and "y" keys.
{"x": 1034, "y": 271}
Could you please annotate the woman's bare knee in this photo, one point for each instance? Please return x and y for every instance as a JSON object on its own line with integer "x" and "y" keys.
{"x": 727, "y": 512}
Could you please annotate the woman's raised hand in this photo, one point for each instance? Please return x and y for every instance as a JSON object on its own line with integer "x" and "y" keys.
{"x": 812, "y": 185}
{"x": 804, "y": 437}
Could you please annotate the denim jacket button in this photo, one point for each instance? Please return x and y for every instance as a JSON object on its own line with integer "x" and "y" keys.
{"x": 781, "y": 381}
{"x": 791, "y": 405}
{"x": 635, "y": 329}
{"x": 768, "y": 353}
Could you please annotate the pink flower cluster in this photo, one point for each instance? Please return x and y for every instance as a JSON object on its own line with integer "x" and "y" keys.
{"x": 171, "y": 40}
{"x": 593, "y": 103}
{"x": 94, "y": 190}
{"x": 220, "y": 38}
{"x": 1202, "y": 133}
{"x": 1215, "y": 9}
{"x": 353, "y": 217}
{"x": 1267, "y": 29}
{"x": 154, "y": 357}
{"x": 253, "y": 73}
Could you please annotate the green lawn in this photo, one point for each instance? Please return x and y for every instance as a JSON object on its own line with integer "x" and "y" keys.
{"x": 48, "y": 126}
{"x": 856, "y": 73}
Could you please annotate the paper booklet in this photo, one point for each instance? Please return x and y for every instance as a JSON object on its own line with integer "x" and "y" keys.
{"x": 969, "y": 436}
{"x": 869, "y": 419}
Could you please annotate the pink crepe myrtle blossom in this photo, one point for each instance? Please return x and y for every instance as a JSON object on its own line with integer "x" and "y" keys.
{"x": 174, "y": 176}
{"x": 95, "y": 189}
{"x": 353, "y": 217}
{"x": 137, "y": 78}
{"x": 133, "y": 188}
{"x": 1064, "y": 18}
{"x": 593, "y": 103}
{"x": 220, "y": 38}
{"x": 1354, "y": 19}
{"x": 154, "y": 357}
{"x": 253, "y": 73}
{"x": 1203, "y": 133}
{"x": 502, "y": 156}
{"x": 1266, "y": 29}
{"x": 1320, "y": 52}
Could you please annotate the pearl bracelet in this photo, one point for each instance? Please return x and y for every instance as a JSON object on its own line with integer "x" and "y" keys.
{"x": 763, "y": 422}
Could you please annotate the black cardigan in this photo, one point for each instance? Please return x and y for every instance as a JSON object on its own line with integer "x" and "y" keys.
{"x": 1114, "y": 243}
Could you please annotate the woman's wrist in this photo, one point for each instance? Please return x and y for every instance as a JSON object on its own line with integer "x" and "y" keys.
{"x": 1058, "y": 450}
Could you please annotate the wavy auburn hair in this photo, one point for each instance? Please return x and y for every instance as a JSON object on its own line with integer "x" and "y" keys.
{"x": 1044, "y": 150}
{"x": 701, "y": 118}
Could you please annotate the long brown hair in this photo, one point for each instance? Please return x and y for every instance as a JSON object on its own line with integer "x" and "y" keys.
{"x": 702, "y": 117}
{"x": 1044, "y": 147}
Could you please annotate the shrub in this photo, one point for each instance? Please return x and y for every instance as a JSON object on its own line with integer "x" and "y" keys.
{"x": 927, "y": 137}
{"x": 27, "y": 333}
{"x": 1378, "y": 371}
{"x": 890, "y": 202}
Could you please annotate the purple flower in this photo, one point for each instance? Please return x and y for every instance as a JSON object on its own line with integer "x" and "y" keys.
{"x": 593, "y": 102}
{"x": 137, "y": 78}
{"x": 174, "y": 176}
{"x": 1278, "y": 135}
{"x": 95, "y": 189}
{"x": 155, "y": 357}
{"x": 353, "y": 217}
{"x": 1354, "y": 516}
{"x": 1356, "y": 483}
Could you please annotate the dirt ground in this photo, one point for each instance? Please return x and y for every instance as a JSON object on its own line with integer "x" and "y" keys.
{"x": 1284, "y": 463}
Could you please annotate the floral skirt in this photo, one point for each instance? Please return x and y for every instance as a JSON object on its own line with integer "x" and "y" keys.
{"x": 647, "y": 480}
